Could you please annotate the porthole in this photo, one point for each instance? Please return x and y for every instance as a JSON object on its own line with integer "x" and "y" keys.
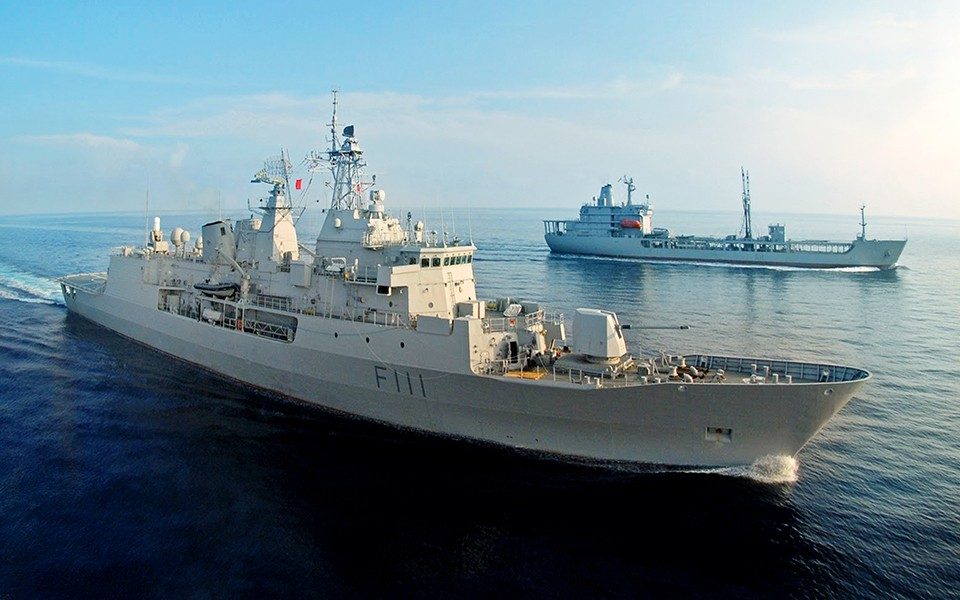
{"x": 401, "y": 344}
{"x": 335, "y": 334}
{"x": 368, "y": 340}
{"x": 430, "y": 305}
{"x": 390, "y": 303}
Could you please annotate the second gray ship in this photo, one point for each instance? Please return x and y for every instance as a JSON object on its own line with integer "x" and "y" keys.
{"x": 606, "y": 228}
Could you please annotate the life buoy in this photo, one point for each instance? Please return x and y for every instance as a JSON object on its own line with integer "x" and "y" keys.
{"x": 513, "y": 322}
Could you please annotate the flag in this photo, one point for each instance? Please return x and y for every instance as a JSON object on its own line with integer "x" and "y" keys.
{"x": 299, "y": 184}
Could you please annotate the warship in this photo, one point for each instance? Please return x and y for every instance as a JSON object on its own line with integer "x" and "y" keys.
{"x": 379, "y": 318}
{"x": 626, "y": 230}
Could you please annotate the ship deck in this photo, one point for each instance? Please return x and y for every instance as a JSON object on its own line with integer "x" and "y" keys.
{"x": 696, "y": 369}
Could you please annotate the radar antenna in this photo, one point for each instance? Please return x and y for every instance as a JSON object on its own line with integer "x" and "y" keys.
{"x": 745, "y": 180}
{"x": 275, "y": 171}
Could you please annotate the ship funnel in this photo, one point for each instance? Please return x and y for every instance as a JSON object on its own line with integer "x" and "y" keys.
{"x": 597, "y": 336}
{"x": 218, "y": 240}
{"x": 606, "y": 196}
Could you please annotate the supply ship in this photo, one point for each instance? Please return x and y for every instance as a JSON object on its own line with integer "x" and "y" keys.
{"x": 606, "y": 228}
{"x": 379, "y": 318}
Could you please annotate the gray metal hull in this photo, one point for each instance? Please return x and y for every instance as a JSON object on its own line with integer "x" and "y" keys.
{"x": 880, "y": 254}
{"x": 656, "y": 423}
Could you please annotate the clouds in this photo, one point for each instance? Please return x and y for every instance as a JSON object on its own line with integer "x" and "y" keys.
{"x": 82, "y": 140}
{"x": 91, "y": 71}
{"x": 826, "y": 115}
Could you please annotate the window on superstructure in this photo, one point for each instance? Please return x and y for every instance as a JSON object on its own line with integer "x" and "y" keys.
{"x": 424, "y": 262}
{"x": 436, "y": 261}
{"x": 446, "y": 261}
{"x": 469, "y": 258}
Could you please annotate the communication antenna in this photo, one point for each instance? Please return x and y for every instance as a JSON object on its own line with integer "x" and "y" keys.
{"x": 345, "y": 162}
{"x": 863, "y": 223}
{"x": 146, "y": 217}
{"x": 745, "y": 180}
{"x": 469, "y": 223}
{"x": 630, "y": 188}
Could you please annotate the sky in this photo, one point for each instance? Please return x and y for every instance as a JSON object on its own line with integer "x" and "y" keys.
{"x": 527, "y": 104}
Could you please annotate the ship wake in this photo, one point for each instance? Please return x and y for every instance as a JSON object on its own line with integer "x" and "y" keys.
{"x": 767, "y": 469}
{"x": 18, "y": 285}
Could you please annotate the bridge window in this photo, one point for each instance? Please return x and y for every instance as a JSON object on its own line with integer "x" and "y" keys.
{"x": 424, "y": 262}
{"x": 436, "y": 261}
{"x": 446, "y": 261}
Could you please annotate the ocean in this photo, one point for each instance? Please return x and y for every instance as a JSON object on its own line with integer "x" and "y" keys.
{"x": 125, "y": 473}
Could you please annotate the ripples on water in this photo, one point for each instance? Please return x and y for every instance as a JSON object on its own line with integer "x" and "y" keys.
{"x": 124, "y": 473}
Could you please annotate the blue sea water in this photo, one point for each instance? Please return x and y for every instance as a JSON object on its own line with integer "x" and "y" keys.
{"x": 123, "y": 473}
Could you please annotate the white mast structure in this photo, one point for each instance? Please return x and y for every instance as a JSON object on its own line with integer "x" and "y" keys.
{"x": 277, "y": 237}
{"x": 631, "y": 188}
{"x": 345, "y": 162}
{"x": 745, "y": 179}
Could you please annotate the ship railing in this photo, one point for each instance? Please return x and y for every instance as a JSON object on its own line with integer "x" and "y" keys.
{"x": 282, "y": 303}
{"x": 797, "y": 371}
{"x": 238, "y": 320}
{"x": 601, "y": 380}
{"x": 374, "y": 316}
{"x": 521, "y": 321}
{"x": 819, "y": 246}
{"x": 573, "y": 376}
{"x": 502, "y": 366}
{"x": 262, "y": 329}
{"x": 555, "y": 227}
{"x": 91, "y": 283}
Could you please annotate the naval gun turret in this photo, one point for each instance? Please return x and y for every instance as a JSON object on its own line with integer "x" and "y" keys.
{"x": 598, "y": 347}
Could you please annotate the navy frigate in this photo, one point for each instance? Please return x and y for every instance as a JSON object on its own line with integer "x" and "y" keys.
{"x": 379, "y": 318}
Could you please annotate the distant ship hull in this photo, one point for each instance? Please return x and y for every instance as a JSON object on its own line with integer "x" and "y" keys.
{"x": 880, "y": 254}
{"x": 666, "y": 423}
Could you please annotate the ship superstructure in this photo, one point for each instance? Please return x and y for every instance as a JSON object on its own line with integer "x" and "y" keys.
{"x": 380, "y": 318}
{"x": 608, "y": 228}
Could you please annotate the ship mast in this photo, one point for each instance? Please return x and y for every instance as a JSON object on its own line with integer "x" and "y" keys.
{"x": 275, "y": 172}
{"x": 345, "y": 161}
{"x": 630, "y": 188}
{"x": 863, "y": 223}
{"x": 745, "y": 180}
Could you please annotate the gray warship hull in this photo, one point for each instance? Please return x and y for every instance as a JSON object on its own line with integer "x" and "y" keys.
{"x": 330, "y": 365}
{"x": 879, "y": 254}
